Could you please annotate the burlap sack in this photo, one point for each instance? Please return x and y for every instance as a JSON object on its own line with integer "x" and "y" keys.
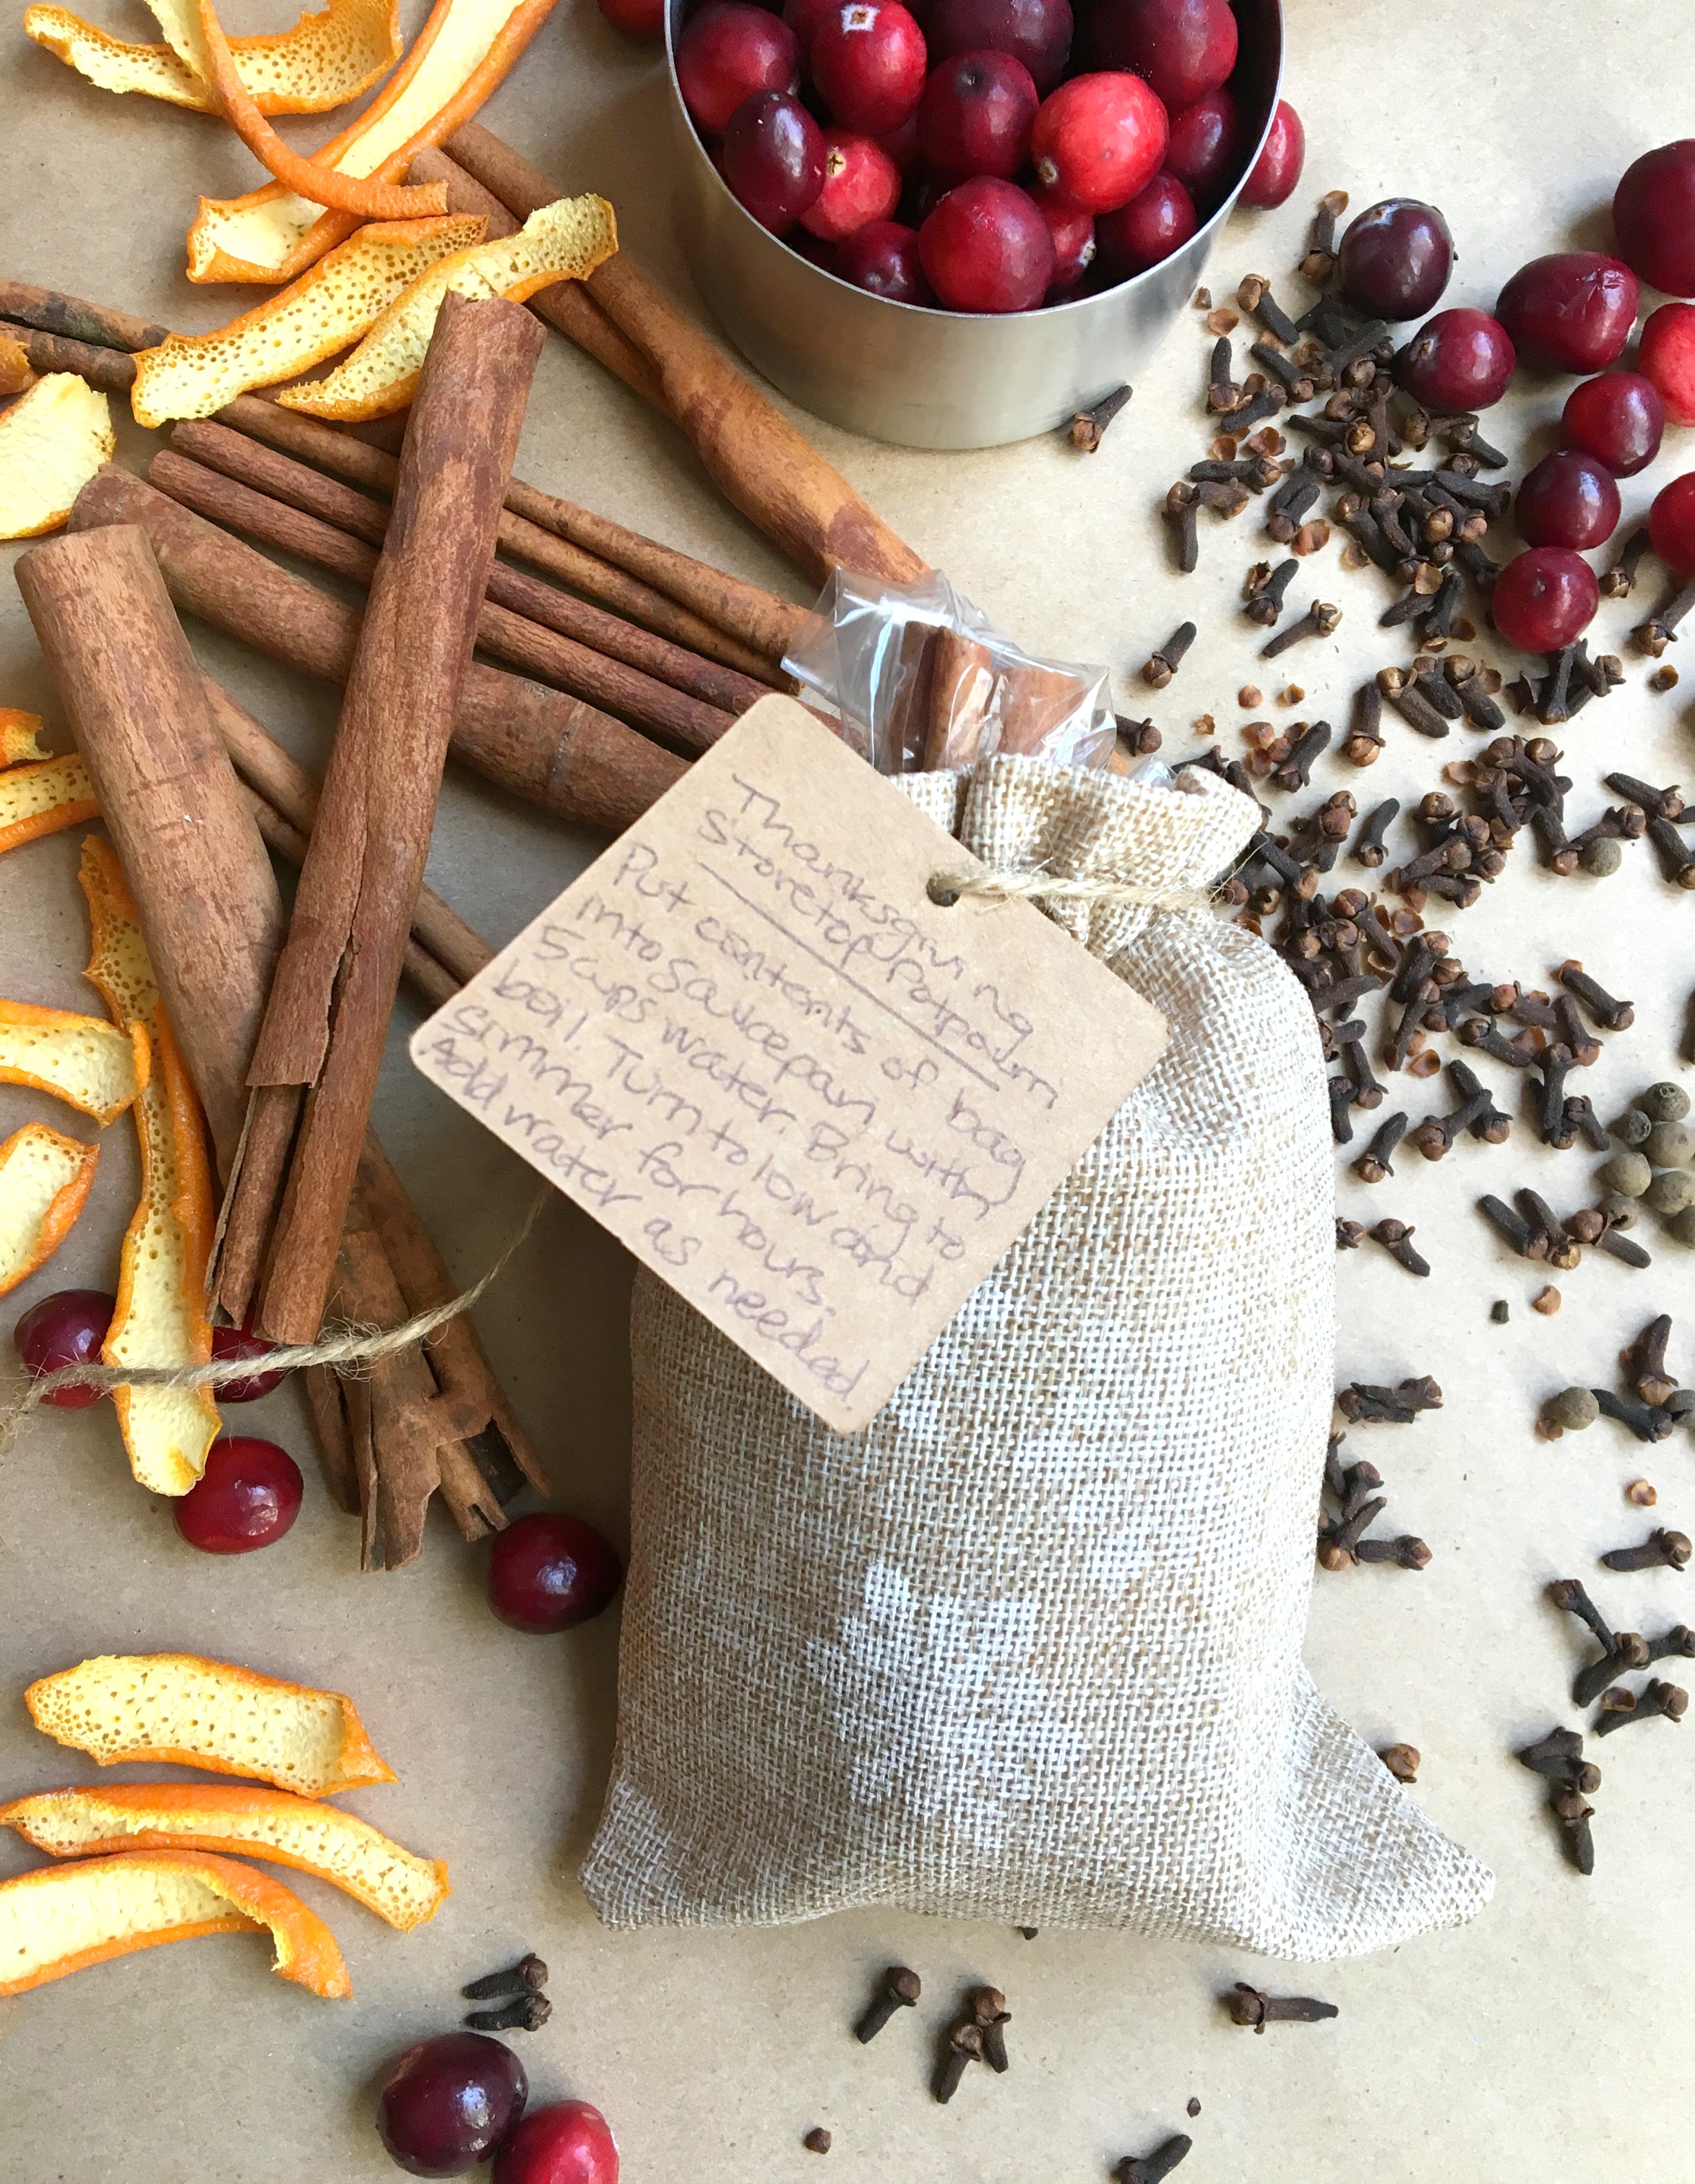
{"x": 1029, "y": 1648}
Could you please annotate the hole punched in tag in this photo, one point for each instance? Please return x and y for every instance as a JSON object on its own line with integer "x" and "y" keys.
{"x": 942, "y": 890}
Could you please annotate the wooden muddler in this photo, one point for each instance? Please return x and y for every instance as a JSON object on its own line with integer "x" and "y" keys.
{"x": 327, "y": 1018}
{"x": 203, "y": 886}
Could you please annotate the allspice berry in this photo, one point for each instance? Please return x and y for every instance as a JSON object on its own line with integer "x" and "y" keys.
{"x": 1603, "y": 858}
{"x": 1571, "y": 1409}
{"x": 1621, "y": 1211}
{"x": 1627, "y": 1174}
{"x": 1672, "y": 1192}
{"x": 1631, "y": 1127}
{"x": 1670, "y": 1145}
{"x": 1664, "y": 1103}
{"x": 1681, "y": 1228}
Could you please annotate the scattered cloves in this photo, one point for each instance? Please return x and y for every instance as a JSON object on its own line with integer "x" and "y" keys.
{"x": 529, "y": 1972}
{"x": 1319, "y": 619}
{"x": 1088, "y": 425}
{"x": 1158, "y": 671}
{"x": 1661, "y": 1548}
{"x": 899, "y": 1989}
{"x": 965, "y": 2047}
{"x": 525, "y": 2013}
{"x": 1248, "y": 2006}
{"x": 1153, "y": 2168}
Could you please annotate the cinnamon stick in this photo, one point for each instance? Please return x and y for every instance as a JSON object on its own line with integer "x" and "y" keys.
{"x": 113, "y": 370}
{"x": 565, "y": 756}
{"x": 188, "y": 845}
{"x": 764, "y": 467}
{"x": 961, "y": 697}
{"x": 94, "y": 323}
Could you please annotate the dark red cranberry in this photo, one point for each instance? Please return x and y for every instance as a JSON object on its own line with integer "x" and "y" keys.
{"x": 868, "y": 62}
{"x": 804, "y": 16}
{"x": 637, "y": 19}
{"x": 862, "y": 184}
{"x": 1155, "y": 222}
{"x": 1618, "y": 417}
{"x": 1545, "y": 598}
{"x": 549, "y": 1571}
{"x": 774, "y": 158}
{"x": 1183, "y": 48}
{"x": 1653, "y": 215}
{"x": 1569, "y": 499}
{"x": 1671, "y": 525}
{"x": 987, "y": 247}
{"x": 1276, "y": 174}
{"x": 884, "y": 261}
{"x": 1394, "y": 260}
{"x": 902, "y": 145}
{"x": 1203, "y": 143}
{"x": 1571, "y": 311}
{"x": 727, "y": 52}
{"x": 448, "y": 2104}
{"x": 65, "y": 1328}
{"x": 1667, "y": 357}
{"x": 975, "y": 116}
{"x": 569, "y": 2143}
{"x": 229, "y": 1343}
{"x": 1037, "y": 32}
{"x": 1074, "y": 246}
{"x": 1098, "y": 140}
{"x": 247, "y": 1497}
{"x": 1462, "y": 360}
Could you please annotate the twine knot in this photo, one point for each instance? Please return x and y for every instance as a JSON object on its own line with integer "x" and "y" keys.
{"x": 945, "y": 889}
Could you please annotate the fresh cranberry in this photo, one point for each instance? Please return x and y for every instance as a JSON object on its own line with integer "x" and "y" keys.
{"x": 1074, "y": 246}
{"x": 448, "y": 2104}
{"x": 774, "y": 158}
{"x": 975, "y": 116}
{"x": 1618, "y": 417}
{"x": 1395, "y": 259}
{"x": 1182, "y": 48}
{"x": 987, "y": 247}
{"x": 1098, "y": 140}
{"x": 1155, "y": 222}
{"x": 804, "y": 16}
{"x": 228, "y": 1344}
{"x": 1667, "y": 357}
{"x": 1671, "y": 525}
{"x": 637, "y": 19}
{"x": 884, "y": 260}
{"x": 902, "y": 145}
{"x": 1037, "y": 32}
{"x": 549, "y": 1571}
{"x": 1545, "y": 598}
{"x": 1654, "y": 214}
{"x": 861, "y": 184}
{"x": 1276, "y": 174}
{"x": 1569, "y": 499}
{"x": 569, "y": 2143}
{"x": 1203, "y": 142}
{"x": 1460, "y": 359}
{"x": 1571, "y": 311}
{"x": 247, "y": 1496}
{"x": 65, "y": 1328}
{"x": 729, "y": 50}
{"x": 868, "y": 61}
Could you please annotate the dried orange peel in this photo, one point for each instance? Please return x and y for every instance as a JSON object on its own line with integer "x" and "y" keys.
{"x": 331, "y": 306}
{"x": 317, "y": 1839}
{"x": 323, "y": 62}
{"x": 44, "y": 799}
{"x": 52, "y": 440}
{"x": 564, "y": 241}
{"x": 182, "y": 1710}
{"x": 19, "y": 738}
{"x": 160, "y": 1317}
{"x": 90, "y": 1065}
{"x": 462, "y": 52}
{"x": 16, "y": 371}
{"x": 44, "y": 1180}
{"x": 60, "y": 1918}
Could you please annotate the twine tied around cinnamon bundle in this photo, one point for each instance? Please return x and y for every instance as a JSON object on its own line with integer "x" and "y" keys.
{"x": 945, "y": 889}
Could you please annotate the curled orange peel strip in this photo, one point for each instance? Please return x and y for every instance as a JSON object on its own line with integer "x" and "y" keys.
{"x": 91, "y": 1066}
{"x": 45, "y": 1179}
{"x": 19, "y": 739}
{"x": 324, "y": 61}
{"x": 44, "y": 799}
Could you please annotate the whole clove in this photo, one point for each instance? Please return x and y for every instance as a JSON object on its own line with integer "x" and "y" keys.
{"x": 1247, "y": 2005}
{"x": 1365, "y": 731}
{"x": 1676, "y": 859}
{"x": 1304, "y": 752}
{"x": 1180, "y": 516}
{"x": 529, "y": 1972}
{"x": 1410, "y": 700}
{"x": 1659, "y": 1701}
{"x": 1373, "y": 1165}
{"x": 963, "y": 2047}
{"x": 1407, "y": 1552}
{"x": 899, "y": 1988}
{"x": 1266, "y": 596}
{"x": 525, "y": 2013}
{"x": 1645, "y": 1420}
{"x": 1660, "y": 629}
{"x": 1153, "y": 2168}
{"x": 1661, "y": 1549}
{"x": 1396, "y": 1240}
{"x": 1319, "y": 619}
{"x": 989, "y": 2010}
{"x": 1088, "y": 425}
{"x": 1628, "y": 1651}
{"x": 1159, "y": 669}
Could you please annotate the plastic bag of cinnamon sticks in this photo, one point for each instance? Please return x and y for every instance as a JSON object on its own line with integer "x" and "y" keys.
{"x": 1028, "y": 1648}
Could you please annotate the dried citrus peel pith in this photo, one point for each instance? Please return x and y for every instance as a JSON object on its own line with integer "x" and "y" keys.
{"x": 180, "y": 1709}
{"x": 19, "y": 739}
{"x": 457, "y": 59}
{"x": 44, "y": 1180}
{"x": 315, "y": 1838}
{"x": 90, "y": 1065}
{"x": 52, "y": 440}
{"x": 332, "y": 305}
{"x": 60, "y": 1918}
{"x": 323, "y": 62}
{"x": 44, "y": 799}
{"x": 160, "y": 1317}
{"x": 16, "y": 371}
{"x": 564, "y": 241}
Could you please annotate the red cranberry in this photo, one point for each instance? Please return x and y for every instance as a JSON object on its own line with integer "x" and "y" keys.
{"x": 774, "y": 158}
{"x": 549, "y": 1571}
{"x": 1183, "y": 48}
{"x": 230, "y": 1343}
{"x": 902, "y": 145}
{"x": 804, "y": 16}
{"x": 65, "y": 1328}
{"x": 1572, "y": 311}
{"x": 868, "y": 61}
{"x": 569, "y": 2143}
{"x": 446, "y": 2103}
{"x": 247, "y": 1496}
{"x": 1203, "y": 142}
{"x": 729, "y": 50}
{"x": 637, "y": 19}
{"x": 975, "y": 116}
{"x": 1395, "y": 259}
{"x": 1074, "y": 246}
{"x": 1545, "y": 598}
{"x": 1155, "y": 222}
{"x": 1098, "y": 140}
{"x": 861, "y": 184}
{"x": 1671, "y": 525}
{"x": 1667, "y": 357}
{"x": 883, "y": 259}
{"x": 1462, "y": 360}
{"x": 1569, "y": 499}
{"x": 1276, "y": 172}
{"x": 987, "y": 247}
{"x": 1654, "y": 214}
{"x": 1618, "y": 417}
{"x": 1037, "y": 32}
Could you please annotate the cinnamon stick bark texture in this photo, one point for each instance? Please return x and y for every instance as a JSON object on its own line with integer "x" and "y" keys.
{"x": 95, "y": 323}
{"x": 763, "y": 466}
{"x": 113, "y": 370}
{"x": 187, "y": 841}
{"x": 328, "y": 1013}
